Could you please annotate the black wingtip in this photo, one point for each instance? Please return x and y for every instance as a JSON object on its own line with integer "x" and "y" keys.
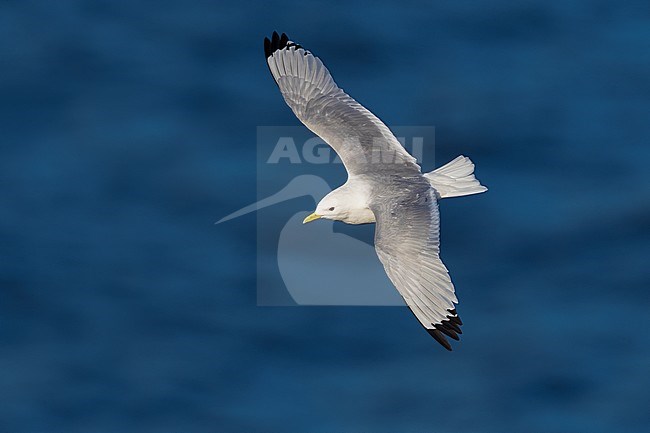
{"x": 447, "y": 331}
{"x": 440, "y": 338}
{"x": 454, "y": 317}
{"x": 277, "y": 42}
{"x": 449, "y": 327}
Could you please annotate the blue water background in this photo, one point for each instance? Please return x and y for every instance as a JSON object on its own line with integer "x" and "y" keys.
{"x": 127, "y": 128}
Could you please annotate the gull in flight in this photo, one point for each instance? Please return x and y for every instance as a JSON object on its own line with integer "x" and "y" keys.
{"x": 385, "y": 185}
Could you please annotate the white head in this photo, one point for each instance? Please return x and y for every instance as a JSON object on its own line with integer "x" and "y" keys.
{"x": 342, "y": 204}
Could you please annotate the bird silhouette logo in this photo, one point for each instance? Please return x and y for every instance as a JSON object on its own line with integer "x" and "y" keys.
{"x": 317, "y": 265}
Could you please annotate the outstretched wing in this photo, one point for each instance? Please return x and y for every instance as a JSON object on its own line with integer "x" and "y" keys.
{"x": 357, "y": 135}
{"x": 407, "y": 241}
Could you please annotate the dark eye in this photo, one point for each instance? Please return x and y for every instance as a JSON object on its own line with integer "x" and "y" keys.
{"x": 332, "y": 208}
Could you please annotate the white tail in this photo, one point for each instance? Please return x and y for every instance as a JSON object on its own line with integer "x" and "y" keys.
{"x": 455, "y": 179}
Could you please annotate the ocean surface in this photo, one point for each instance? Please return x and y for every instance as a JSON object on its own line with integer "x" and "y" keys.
{"x": 128, "y": 128}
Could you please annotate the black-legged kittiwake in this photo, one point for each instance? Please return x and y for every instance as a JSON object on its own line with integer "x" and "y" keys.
{"x": 385, "y": 185}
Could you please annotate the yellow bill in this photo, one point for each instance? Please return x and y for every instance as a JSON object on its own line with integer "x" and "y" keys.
{"x": 311, "y": 218}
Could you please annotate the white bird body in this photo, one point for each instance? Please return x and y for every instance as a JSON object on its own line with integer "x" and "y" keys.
{"x": 351, "y": 201}
{"x": 385, "y": 185}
